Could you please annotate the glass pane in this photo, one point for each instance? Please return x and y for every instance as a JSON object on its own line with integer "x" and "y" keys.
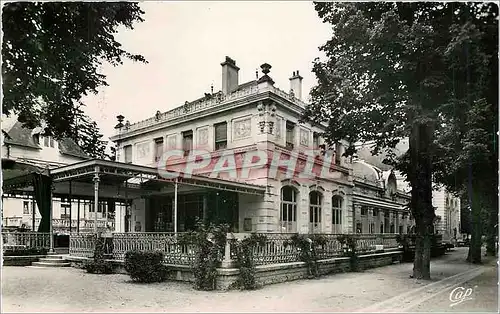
{"x": 221, "y": 132}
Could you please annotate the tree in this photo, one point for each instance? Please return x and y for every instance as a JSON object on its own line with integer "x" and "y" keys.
{"x": 86, "y": 134}
{"x": 467, "y": 140}
{"x": 51, "y": 53}
{"x": 386, "y": 77}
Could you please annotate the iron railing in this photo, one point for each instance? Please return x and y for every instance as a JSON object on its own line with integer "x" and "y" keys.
{"x": 26, "y": 239}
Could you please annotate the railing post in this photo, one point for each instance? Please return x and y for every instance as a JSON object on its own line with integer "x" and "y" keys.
{"x": 227, "y": 262}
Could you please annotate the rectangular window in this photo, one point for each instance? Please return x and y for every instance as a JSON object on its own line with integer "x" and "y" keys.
{"x": 375, "y": 212}
{"x": 51, "y": 140}
{"x": 26, "y": 207}
{"x": 338, "y": 153}
{"x": 128, "y": 154}
{"x": 359, "y": 227}
{"x": 187, "y": 142}
{"x": 372, "y": 228}
{"x": 220, "y": 135}
{"x": 315, "y": 140}
{"x": 158, "y": 148}
{"x": 101, "y": 208}
{"x": 290, "y": 134}
{"x": 65, "y": 211}
{"x": 36, "y": 139}
{"x": 46, "y": 141}
{"x": 364, "y": 210}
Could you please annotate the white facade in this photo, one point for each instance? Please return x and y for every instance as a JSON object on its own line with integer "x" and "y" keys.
{"x": 260, "y": 117}
{"x": 448, "y": 214}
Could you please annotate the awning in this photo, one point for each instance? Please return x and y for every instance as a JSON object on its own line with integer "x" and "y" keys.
{"x": 117, "y": 173}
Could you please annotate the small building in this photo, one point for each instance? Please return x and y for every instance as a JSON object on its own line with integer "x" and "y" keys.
{"x": 32, "y": 150}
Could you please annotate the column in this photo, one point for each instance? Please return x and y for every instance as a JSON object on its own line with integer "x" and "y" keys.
{"x": 356, "y": 217}
{"x": 96, "y": 196}
{"x": 51, "y": 230}
{"x": 371, "y": 225}
{"x": 348, "y": 215}
{"x": 326, "y": 212}
{"x": 70, "y": 203}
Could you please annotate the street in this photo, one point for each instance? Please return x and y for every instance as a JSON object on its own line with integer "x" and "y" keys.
{"x": 384, "y": 289}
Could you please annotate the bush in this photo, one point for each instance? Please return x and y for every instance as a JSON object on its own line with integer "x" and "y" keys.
{"x": 307, "y": 249}
{"x": 245, "y": 261}
{"x": 99, "y": 265}
{"x": 349, "y": 241}
{"x": 146, "y": 266}
{"x": 209, "y": 242}
{"x": 25, "y": 252}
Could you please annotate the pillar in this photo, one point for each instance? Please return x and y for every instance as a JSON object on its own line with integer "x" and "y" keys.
{"x": 51, "y": 230}
{"x": 96, "y": 196}
{"x": 326, "y": 212}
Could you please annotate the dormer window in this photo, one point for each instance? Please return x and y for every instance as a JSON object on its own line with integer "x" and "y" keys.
{"x": 36, "y": 139}
{"x": 47, "y": 140}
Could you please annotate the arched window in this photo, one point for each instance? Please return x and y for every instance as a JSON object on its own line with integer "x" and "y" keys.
{"x": 288, "y": 214}
{"x": 336, "y": 214}
{"x": 315, "y": 212}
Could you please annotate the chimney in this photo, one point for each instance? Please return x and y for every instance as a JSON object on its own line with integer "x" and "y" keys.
{"x": 296, "y": 84}
{"x": 229, "y": 76}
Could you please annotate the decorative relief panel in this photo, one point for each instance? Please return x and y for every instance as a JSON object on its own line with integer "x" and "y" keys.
{"x": 304, "y": 137}
{"x": 203, "y": 135}
{"x": 172, "y": 141}
{"x": 242, "y": 128}
{"x": 142, "y": 150}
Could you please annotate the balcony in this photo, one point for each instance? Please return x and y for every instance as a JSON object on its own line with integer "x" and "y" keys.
{"x": 62, "y": 225}
{"x": 217, "y": 100}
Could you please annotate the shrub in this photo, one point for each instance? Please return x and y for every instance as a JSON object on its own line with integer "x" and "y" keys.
{"x": 146, "y": 266}
{"x": 307, "y": 249}
{"x": 245, "y": 261}
{"x": 209, "y": 242}
{"x": 350, "y": 251}
{"x": 25, "y": 252}
{"x": 99, "y": 265}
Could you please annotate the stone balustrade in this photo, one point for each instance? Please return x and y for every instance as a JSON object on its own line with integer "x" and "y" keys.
{"x": 214, "y": 101}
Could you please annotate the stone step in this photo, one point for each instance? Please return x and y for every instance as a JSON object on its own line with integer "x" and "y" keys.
{"x": 52, "y": 260}
{"x": 48, "y": 264}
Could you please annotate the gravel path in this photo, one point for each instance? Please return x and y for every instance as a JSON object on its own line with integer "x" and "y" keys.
{"x": 30, "y": 289}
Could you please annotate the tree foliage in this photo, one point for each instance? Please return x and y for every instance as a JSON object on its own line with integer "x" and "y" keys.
{"x": 87, "y": 135}
{"x": 396, "y": 70}
{"x": 51, "y": 54}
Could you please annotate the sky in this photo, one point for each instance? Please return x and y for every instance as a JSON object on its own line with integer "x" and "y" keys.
{"x": 185, "y": 42}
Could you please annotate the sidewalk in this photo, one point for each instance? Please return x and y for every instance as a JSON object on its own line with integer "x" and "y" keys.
{"x": 72, "y": 290}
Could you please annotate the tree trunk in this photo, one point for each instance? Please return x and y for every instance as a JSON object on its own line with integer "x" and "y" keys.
{"x": 420, "y": 174}
{"x": 474, "y": 255}
{"x": 491, "y": 209}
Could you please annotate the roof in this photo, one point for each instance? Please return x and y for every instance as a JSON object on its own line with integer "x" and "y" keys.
{"x": 113, "y": 172}
{"x": 364, "y": 153}
{"x": 367, "y": 172}
{"x": 21, "y": 136}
